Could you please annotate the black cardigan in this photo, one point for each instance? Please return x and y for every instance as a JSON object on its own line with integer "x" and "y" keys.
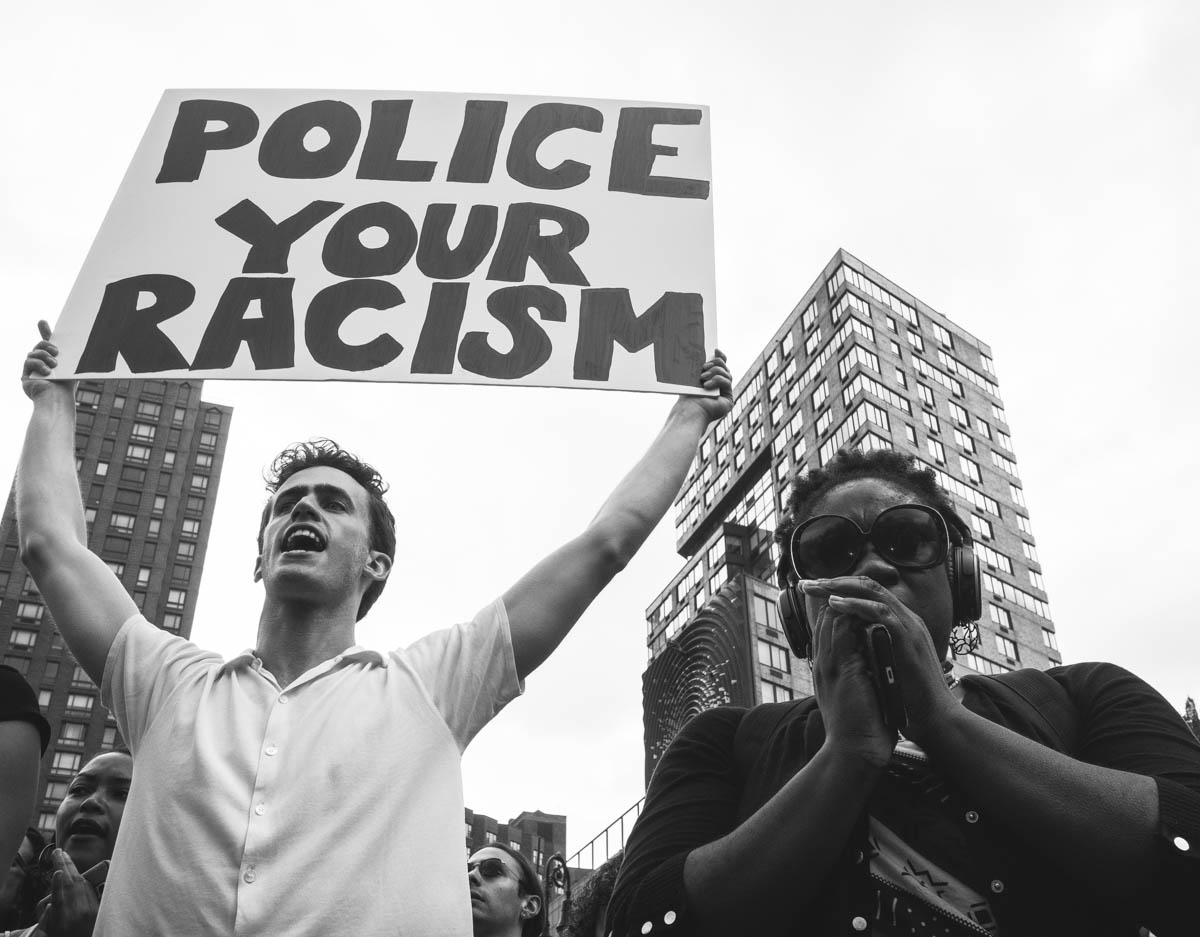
{"x": 727, "y": 762}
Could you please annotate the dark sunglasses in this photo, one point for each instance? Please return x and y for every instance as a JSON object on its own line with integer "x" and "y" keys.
{"x": 492, "y": 869}
{"x": 909, "y": 536}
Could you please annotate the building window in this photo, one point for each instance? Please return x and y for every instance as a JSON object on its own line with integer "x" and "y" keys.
{"x": 176, "y": 598}
{"x": 970, "y": 469}
{"x": 1049, "y": 639}
{"x": 925, "y": 393}
{"x": 773, "y": 656}
{"x": 72, "y": 732}
{"x": 22, "y": 637}
{"x": 1030, "y": 552}
{"x": 910, "y": 434}
{"x": 964, "y": 441}
{"x": 199, "y": 483}
{"x": 774, "y": 693}
{"x": 101, "y": 469}
{"x": 30, "y": 611}
{"x": 143, "y": 432}
{"x": 121, "y": 522}
{"x": 137, "y": 453}
{"x": 208, "y": 440}
{"x": 820, "y": 395}
{"x": 153, "y": 528}
{"x": 936, "y": 450}
{"x": 1017, "y": 494}
{"x": 55, "y": 791}
{"x": 1006, "y": 646}
{"x": 212, "y": 418}
{"x": 931, "y": 421}
{"x": 1036, "y": 578}
{"x": 109, "y": 739}
{"x": 901, "y": 378}
{"x": 181, "y": 574}
{"x": 915, "y": 340}
{"x": 87, "y": 398}
{"x": 982, "y": 527}
{"x": 45, "y": 697}
{"x": 148, "y": 410}
{"x": 81, "y": 702}
{"x": 66, "y": 763}
{"x": 79, "y": 677}
{"x": 1000, "y": 617}
{"x": 942, "y": 335}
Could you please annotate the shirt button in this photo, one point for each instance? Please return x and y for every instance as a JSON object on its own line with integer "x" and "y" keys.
{"x": 283, "y": 698}
{"x": 972, "y": 816}
{"x": 1181, "y": 844}
{"x": 997, "y": 886}
{"x": 647, "y": 927}
{"x": 858, "y": 857}
{"x": 669, "y": 918}
{"x": 271, "y": 749}
{"x": 859, "y": 923}
{"x": 260, "y": 809}
{"x": 248, "y": 877}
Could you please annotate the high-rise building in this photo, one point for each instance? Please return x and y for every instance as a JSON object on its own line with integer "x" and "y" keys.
{"x": 859, "y": 362}
{"x": 148, "y": 454}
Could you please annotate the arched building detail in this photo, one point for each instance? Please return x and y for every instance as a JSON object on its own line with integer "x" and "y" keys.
{"x": 702, "y": 667}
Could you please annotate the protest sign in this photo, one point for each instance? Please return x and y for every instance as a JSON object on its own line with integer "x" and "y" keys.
{"x": 392, "y": 236}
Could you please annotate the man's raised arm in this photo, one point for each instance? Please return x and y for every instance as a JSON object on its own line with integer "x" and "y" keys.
{"x": 87, "y": 601}
{"x": 547, "y": 601}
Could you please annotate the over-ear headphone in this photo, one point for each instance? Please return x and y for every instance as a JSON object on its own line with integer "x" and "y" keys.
{"x": 966, "y": 587}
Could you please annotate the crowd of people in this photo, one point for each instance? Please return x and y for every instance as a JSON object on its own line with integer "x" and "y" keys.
{"x": 896, "y": 800}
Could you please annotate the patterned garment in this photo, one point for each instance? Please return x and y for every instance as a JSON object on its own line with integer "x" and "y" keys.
{"x": 916, "y": 896}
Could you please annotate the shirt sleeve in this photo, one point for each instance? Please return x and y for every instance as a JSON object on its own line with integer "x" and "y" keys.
{"x": 144, "y": 667}
{"x": 1129, "y": 726}
{"x": 692, "y": 801}
{"x": 469, "y": 670}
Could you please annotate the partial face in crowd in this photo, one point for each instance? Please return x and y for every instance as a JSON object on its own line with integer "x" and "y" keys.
{"x": 89, "y": 817}
{"x": 497, "y": 904}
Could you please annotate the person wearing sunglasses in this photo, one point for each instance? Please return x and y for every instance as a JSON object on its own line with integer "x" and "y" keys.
{"x": 1029, "y": 804}
{"x": 507, "y": 897}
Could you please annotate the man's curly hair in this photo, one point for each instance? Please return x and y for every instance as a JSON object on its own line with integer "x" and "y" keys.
{"x": 846, "y": 465}
{"x": 327, "y": 453}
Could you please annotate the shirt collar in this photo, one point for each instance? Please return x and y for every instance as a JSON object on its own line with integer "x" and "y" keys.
{"x": 357, "y": 653}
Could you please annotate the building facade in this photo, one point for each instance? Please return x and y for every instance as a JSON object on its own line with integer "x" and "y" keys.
{"x": 148, "y": 454}
{"x": 858, "y": 363}
{"x": 534, "y": 834}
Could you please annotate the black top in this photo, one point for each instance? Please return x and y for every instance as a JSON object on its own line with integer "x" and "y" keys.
{"x": 727, "y": 762}
{"x": 19, "y": 702}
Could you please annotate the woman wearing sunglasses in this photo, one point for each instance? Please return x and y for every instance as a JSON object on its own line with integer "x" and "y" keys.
{"x": 507, "y": 898}
{"x": 1065, "y": 802}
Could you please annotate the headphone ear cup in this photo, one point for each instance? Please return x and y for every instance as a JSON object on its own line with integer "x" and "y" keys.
{"x": 795, "y": 624}
{"x": 968, "y": 587}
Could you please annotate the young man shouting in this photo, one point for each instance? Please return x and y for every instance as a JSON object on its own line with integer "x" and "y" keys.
{"x": 309, "y": 786}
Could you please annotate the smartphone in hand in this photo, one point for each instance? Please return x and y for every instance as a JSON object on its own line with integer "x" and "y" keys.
{"x": 883, "y": 669}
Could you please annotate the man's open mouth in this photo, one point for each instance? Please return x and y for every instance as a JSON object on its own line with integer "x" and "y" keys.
{"x": 303, "y": 540}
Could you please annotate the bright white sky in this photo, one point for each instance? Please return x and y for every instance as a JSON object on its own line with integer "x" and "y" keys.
{"x": 1030, "y": 171}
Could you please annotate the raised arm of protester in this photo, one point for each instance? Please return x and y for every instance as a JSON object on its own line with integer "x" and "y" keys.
{"x": 547, "y": 601}
{"x": 88, "y": 602}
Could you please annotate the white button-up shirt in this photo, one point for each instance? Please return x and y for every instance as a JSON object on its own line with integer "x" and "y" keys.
{"x": 333, "y": 807}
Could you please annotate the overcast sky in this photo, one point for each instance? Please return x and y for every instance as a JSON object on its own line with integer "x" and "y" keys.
{"x": 1029, "y": 170}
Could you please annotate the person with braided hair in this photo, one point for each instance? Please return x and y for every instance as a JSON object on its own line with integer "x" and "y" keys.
{"x": 1035, "y": 803}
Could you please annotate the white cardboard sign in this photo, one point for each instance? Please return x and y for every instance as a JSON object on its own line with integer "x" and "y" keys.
{"x": 396, "y": 236}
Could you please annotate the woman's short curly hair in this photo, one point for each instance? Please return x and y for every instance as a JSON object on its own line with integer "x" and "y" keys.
{"x": 591, "y": 899}
{"x": 887, "y": 465}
